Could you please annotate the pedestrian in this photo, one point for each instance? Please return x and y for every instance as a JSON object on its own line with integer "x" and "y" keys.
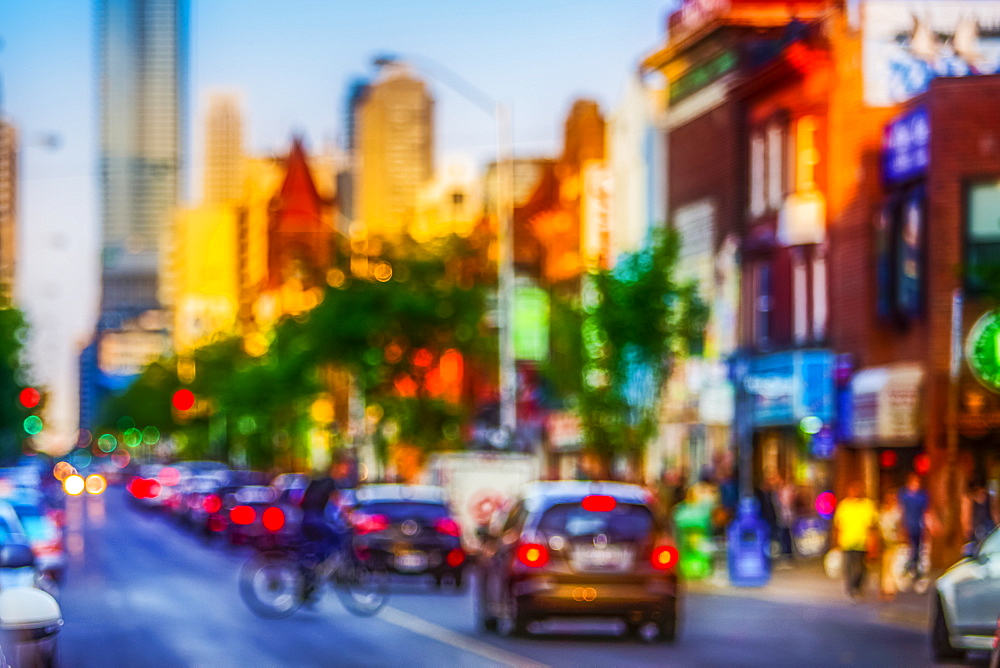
{"x": 978, "y": 518}
{"x": 890, "y": 523}
{"x": 914, "y": 504}
{"x": 853, "y": 525}
{"x": 784, "y": 511}
{"x": 765, "y": 494}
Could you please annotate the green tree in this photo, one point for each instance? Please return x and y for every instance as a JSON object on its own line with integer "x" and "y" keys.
{"x": 13, "y": 378}
{"x": 638, "y": 318}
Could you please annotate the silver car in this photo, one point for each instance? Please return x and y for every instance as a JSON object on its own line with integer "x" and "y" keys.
{"x": 967, "y": 602}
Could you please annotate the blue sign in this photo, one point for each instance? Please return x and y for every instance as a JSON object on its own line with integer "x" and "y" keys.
{"x": 822, "y": 444}
{"x": 789, "y": 386}
{"x": 906, "y": 146}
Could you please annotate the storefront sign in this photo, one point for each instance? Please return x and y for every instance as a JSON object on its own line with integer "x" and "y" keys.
{"x": 906, "y": 44}
{"x": 885, "y": 405}
{"x": 786, "y": 387}
{"x": 982, "y": 349}
{"x": 906, "y": 146}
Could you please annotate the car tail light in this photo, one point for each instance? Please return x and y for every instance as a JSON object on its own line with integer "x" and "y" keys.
{"x": 533, "y": 555}
{"x": 47, "y": 548}
{"x": 211, "y": 504}
{"x": 599, "y": 503}
{"x": 243, "y": 515}
{"x": 664, "y": 557}
{"x": 273, "y": 519}
{"x": 455, "y": 558}
{"x": 448, "y": 527}
{"x": 369, "y": 523}
{"x": 216, "y": 524}
{"x": 152, "y": 489}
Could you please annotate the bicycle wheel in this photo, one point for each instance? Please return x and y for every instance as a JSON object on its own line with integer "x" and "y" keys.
{"x": 361, "y": 590}
{"x": 272, "y": 585}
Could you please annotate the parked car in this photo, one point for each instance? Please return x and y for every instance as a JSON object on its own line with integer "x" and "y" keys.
{"x": 409, "y": 530}
{"x": 194, "y": 504}
{"x": 253, "y": 517}
{"x": 580, "y": 549}
{"x": 43, "y": 533}
{"x": 966, "y": 601}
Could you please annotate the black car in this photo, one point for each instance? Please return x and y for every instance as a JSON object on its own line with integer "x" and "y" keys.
{"x": 580, "y": 549}
{"x": 408, "y": 529}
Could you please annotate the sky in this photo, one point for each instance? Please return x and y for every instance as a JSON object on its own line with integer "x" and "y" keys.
{"x": 291, "y": 61}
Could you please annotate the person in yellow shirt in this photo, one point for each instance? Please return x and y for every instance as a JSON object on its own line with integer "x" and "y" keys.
{"x": 854, "y": 521}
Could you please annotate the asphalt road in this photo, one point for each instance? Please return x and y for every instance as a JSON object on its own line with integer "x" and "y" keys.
{"x": 143, "y": 592}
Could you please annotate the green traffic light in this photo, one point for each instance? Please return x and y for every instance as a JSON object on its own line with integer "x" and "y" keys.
{"x": 33, "y": 424}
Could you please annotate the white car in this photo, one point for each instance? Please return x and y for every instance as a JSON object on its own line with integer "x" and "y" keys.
{"x": 967, "y": 602}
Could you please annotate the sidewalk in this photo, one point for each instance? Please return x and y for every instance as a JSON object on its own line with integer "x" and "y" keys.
{"x": 805, "y": 582}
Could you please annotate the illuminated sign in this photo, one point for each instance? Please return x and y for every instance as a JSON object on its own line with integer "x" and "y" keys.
{"x": 127, "y": 353}
{"x": 906, "y": 146}
{"x": 702, "y": 75}
{"x": 982, "y": 349}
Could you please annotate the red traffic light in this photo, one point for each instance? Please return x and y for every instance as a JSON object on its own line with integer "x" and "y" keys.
{"x": 183, "y": 400}
{"x": 30, "y": 397}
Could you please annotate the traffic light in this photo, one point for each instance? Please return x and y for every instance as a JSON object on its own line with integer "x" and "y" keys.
{"x": 31, "y": 399}
{"x": 183, "y": 400}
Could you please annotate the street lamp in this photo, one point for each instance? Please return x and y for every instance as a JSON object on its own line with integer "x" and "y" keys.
{"x": 505, "y": 237}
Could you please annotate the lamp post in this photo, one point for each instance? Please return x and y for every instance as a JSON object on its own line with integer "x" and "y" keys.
{"x": 504, "y": 203}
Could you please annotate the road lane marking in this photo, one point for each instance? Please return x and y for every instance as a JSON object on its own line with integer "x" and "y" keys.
{"x": 430, "y": 630}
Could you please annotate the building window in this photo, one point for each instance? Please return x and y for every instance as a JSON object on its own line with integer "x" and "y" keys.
{"x": 775, "y": 165}
{"x": 757, "y": 204}
{"x": 819, "y": 296}
{"x": 762, "y": 298}
{"x": 800, "y": 298}
{"x": 982, "y": 234}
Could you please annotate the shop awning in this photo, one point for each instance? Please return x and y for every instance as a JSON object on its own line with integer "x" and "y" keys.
{"x": 885, "y": 405}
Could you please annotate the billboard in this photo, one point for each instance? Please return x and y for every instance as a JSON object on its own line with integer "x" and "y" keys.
{"x": 908, "y": 43}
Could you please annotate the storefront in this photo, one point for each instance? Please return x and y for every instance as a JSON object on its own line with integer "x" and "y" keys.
{"x": 792, "y": 399}
{"x": 885, "y": 424}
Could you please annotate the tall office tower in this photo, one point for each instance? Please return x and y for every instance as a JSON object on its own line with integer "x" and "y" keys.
{"x": 8, "y": 211}
{"x": 142, "y": 56}
{"x": 394, "y": 154}
{"x": 223, "y": 150}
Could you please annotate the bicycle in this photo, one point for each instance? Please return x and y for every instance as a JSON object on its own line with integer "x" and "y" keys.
{"x": 276, "y": 582}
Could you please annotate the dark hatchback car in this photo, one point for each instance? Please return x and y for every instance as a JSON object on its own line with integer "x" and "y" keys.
{"x": 408, "y": 529}
{"x": 580, "y": 549}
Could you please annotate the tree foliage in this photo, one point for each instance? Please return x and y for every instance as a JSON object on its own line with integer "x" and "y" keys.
{"x": 13, "y": 378}
{"x": 638, "y": 318}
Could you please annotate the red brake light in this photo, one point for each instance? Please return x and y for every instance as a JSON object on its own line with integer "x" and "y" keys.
{"x": 211, "y": 504}
{"x": 273, "y": 519}
{"x": 599, "y": 503}
{"x": 369, "y": 523}
{"x": 533, "y": 555}
{"x": 448, "y": 527}
{"x": 664, "y": 557}
{"x": 242, "y": 515}
{"x": 455, "y": 558}
{"x": 152, "y": 489}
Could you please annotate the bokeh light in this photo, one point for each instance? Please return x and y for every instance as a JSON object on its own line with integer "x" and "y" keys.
{"x": 888, "y": 459}
{"x": 132, "y": 437}
{"x": 82, "y": 458}
{"x": 810, "y": 424}
{"x": 63, "y": 470}
{"x": 151, "y": 435}
{"x": 826, "y": 504}
{"x": 30, "y": 397}
{"x": 107, "y": 443}
{"x": 95, "y": 484}
{"x": 121, "y": 458}
{"x": 183, "y": 400}
{"x": 247, "y": 425}
{"x": 74, "y": 484}
{"x": 922, "y": 463}
{"x": 33, "y": 424}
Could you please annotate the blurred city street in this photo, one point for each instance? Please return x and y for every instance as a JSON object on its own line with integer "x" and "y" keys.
{"x": 144, "y": 593}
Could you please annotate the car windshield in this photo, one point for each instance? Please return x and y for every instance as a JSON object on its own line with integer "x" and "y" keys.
{"x": 255, "y": 495}
{"x": 397, "y": 512}
{"x": 625, "y": 522}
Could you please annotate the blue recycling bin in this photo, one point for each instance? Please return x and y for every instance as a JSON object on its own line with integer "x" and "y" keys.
{"x": 749, "y": 547}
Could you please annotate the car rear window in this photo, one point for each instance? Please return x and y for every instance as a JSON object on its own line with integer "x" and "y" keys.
{"x": 255, "y": 495}
{"x": 399, "y": 511}
{"x": 625, "y": 522}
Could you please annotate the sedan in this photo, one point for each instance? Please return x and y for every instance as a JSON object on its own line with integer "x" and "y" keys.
{"x": 580, "y": 549}
{"x": 408, "y": 530}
